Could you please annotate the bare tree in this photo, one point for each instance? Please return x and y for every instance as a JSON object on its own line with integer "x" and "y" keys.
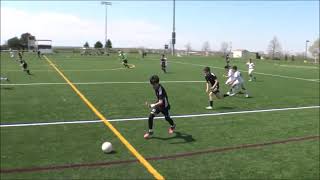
{"x": 274, "y": 48}
{"x": 314, "y": 49}
{"x": 188, "y": 47}
{"x": 224, "y": 48}
{"x": 205, "y": 47}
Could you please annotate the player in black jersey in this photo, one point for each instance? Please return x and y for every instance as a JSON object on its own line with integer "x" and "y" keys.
{"x": 24, "y": 66}
{"x": 163, "y": 62}
{"x": 39, "y": 54}
{"x": 212, "y": 86}
{"x": 227, "y": 59}
{"x": 20, "y": 55}
{"x": 162, "y": 105}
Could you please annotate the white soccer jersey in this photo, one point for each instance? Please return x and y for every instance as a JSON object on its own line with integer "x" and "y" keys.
{"x": 237, "y": 76}
{"x": 230, "y": 73}
{"x": 11, "y": 54}
{"x": 250, "y": 65}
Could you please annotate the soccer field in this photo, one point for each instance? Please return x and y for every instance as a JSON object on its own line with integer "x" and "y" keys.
{"x": 48, "y": 132}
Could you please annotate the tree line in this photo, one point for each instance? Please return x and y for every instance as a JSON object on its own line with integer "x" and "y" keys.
{"x": 274, "y": 49}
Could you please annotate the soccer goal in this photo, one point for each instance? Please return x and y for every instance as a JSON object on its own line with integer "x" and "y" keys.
{"x": 44, "y": 46}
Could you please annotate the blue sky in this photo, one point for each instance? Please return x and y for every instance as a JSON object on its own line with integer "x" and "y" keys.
{"x": 247, "y": 24}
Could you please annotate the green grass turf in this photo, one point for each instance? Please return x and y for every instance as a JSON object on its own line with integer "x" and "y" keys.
{"x": 23, "y": 147}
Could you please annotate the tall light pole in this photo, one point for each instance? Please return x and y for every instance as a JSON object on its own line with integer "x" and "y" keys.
{"x": 174, "y": 27}
{"x": 106, "y": 4}
{"x": 306, "y": 53}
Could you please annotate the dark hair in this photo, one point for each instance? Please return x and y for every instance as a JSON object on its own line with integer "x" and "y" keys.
{"x": 234, "y": 67}
{"x": 206, "y": 69}
{"x": 154, "y": 79}
{"x": 227, "y": 67}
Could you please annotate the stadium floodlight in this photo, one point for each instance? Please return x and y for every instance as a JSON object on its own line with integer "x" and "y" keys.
{"x": 306, "y": 53}
{"x": 106, "y": 4}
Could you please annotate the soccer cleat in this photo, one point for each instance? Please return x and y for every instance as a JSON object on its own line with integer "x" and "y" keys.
{"x": 148, "y": 135}
{"x": 250, "y": 79}
{"x": 247, "y": 95}
{"x": 209, "y": 107}
{"x": 232, "y": 94}
{"x": 171, "y": 129}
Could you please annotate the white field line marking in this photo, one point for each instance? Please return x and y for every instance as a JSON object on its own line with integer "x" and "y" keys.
{"x": 70, "y": 70}
{"x": 295, "y": 66}
{"x": 92, "y": 83}
{"x": 275, "y": 75}
{"x": 144, "y": 118}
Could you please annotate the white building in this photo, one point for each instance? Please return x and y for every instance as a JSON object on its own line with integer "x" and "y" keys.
{"x": 239, "y": 53}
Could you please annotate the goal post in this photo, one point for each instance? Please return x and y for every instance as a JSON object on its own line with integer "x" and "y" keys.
{"x": 44, "y": 46}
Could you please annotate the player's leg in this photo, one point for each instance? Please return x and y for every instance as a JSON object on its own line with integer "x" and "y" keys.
{"x": 170, "y": 121}
{"x": 210, "y": 100}
{"x": 25, "y": 68}
{"x": 230, "y": 87}
{"x": 219, "y": 95}
{"x": 152, "y": 114}
{"x": 245, "y": 90}
{"x": 164, "y": 69}
{"x": 250, "y": 74}
{"x": 235, "y": 88}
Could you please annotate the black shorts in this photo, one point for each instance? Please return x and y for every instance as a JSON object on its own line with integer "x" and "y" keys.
{"x": 164, "y": 111}
{"x": 163, "y": 65}
{"x": 25, "y": 66}
{"x": 215, "y": 91}
{"x": 125, "y": 61}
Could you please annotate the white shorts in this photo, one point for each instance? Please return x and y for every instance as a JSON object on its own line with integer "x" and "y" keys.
{"x": 229, "y": 80}
{"x": 237, "y": 82}
{"x": 250, "y": 71}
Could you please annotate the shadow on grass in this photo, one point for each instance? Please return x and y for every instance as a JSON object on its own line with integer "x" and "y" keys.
{"x": 187, "y": 138}
{"x": 225, "y": 107}
{"x": 7, "y": 88}
{"x": 112, "y": 152}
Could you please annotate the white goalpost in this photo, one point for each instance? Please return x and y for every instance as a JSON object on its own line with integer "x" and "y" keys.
{"x": 44, "y": 46}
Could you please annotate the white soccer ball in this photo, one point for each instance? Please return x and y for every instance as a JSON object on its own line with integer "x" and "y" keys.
{"x": 106, "y": 147}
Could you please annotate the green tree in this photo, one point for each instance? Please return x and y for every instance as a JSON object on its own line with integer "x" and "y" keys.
{"x": 14, "y": 43}
{"x": 314, "y": 49}
{"x": 98, "y": 44}
{"x": 24, "y": 39}
{"x": 274, "y": 48}
{"x": 108, "y": 44}
{"x": 86, "y": 45}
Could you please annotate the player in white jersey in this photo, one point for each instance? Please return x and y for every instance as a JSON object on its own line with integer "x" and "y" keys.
{"x": 4, "y": 78}
{"x": 12, "y": 55}
{"x": 251, "y": 66}
{"x": 237, "y": 83}
{"x": 229, "y": 75}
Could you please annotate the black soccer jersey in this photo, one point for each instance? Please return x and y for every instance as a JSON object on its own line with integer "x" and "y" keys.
{"x": 20, "y": 55}
{"x": 163, "y": 62}
{"x": 162, "y": 94}
{"x": 211, "y": 79}
{"x": 24, "y": 64}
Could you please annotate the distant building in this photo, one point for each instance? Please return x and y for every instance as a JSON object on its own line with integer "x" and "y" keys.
{"x": 240, "y": 53}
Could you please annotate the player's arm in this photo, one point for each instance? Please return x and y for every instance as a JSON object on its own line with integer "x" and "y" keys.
{"x": 159, "y": 103}
{"x": 207, "y": 88}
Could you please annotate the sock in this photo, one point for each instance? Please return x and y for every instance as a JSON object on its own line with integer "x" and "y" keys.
{"x": 211, "y": 103}
{"x": 170, "y": 121}
{"x": 150, "y": 121}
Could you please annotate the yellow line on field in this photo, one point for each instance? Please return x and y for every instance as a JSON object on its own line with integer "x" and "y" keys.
{"x": 142, "y": 160}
